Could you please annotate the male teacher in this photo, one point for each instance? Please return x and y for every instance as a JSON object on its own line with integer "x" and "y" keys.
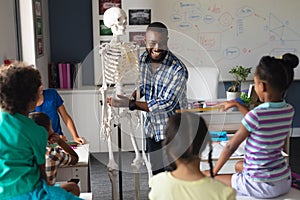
{"x": 163, "y": 85}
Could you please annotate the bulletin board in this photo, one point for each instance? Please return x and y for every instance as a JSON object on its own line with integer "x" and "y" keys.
{"x": 226, "y": 33}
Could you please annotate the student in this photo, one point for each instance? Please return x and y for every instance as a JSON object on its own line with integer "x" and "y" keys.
{"x": 22, "y": 141}
{"x": 265, "y": 172}
{"x": 163, "y": 84}
{"x": 51, "y": 103}
{"x": 186, "y": 138}
{"x": 56, "y": 156}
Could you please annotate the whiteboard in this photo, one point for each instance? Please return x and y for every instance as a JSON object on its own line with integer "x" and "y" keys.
{"x": 226, "y": 33}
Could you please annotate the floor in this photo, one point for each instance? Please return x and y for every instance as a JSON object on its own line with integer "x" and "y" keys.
{"x": 100, "y": 183}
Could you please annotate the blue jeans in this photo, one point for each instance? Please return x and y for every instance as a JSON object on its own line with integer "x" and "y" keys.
{"x": 157, "y": 156}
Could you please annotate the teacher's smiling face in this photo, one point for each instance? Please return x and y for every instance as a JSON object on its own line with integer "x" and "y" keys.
{"x": 156, "y": 45}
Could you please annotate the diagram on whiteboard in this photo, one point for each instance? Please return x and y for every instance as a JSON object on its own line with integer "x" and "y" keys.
{"x": 234, "y": 32}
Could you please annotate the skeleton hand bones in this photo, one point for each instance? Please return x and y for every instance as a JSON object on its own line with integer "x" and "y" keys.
{"x": 119, "y": 101}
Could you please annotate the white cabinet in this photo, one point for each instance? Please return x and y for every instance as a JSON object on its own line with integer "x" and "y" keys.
{"x": 79, "y": 171}
{"x": 83, "y": 105}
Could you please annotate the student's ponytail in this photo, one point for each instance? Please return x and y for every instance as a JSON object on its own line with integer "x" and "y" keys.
{"x": 291, "y": 61}
{"x": 211, "y": 167}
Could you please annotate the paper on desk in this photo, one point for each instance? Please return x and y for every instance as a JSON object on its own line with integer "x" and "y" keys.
{"x": 218, "y": 148}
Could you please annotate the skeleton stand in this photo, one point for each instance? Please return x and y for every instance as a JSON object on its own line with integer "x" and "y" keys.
{"x": 120, "y": 160}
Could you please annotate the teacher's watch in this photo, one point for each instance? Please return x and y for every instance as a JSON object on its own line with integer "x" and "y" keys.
{"x": 132, "y": 104}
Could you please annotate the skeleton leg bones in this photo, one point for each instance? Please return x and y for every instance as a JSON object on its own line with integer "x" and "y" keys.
{"x": 107, "y": 132}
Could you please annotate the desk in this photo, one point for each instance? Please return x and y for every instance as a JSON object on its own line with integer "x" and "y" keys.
{"x": 229, "y": 121}
{"x": 228, "y": 167}
{"x": 80, "y": 170}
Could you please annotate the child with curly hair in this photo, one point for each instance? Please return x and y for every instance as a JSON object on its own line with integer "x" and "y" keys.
{"x": 22, "y": 141}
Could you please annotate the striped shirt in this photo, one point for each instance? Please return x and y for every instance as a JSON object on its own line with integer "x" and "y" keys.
{"x": 164, "y": 91}
{"x": 269, "y": 124}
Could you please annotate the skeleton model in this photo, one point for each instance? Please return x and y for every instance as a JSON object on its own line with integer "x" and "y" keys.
{"x": 119, "y": 60}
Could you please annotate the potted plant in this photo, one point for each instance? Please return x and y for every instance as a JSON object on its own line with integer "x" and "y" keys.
{"x": 240, "y": 74}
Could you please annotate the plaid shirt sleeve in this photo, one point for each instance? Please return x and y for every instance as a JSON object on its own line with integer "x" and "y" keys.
{"x": 55, "y": 157}
{"x": 164, "y": 91}
{"x": 170, "y": 83}
{"x": 172, "y": 94}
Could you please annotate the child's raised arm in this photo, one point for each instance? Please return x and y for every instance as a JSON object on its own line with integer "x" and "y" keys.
{"x": 70, "y": 124}
{"x": 55, "y": 138}
{"x": 232, "y": 104}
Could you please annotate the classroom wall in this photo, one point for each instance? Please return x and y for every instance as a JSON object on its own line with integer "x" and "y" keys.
{"x": 77, "y": 44}
{"x": 9, "y": 39}
{"x": 8, "y": 35}
{"x": 42, "y": 61}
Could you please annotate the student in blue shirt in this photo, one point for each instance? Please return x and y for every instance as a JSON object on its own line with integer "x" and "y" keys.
{"x": 51, "y": 103}
{"x": 163, "y": 84}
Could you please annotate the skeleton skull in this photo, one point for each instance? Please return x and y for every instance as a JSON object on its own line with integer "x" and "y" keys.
{"x": 116, "y": 19}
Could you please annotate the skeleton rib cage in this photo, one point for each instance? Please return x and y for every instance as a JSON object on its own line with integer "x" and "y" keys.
{"x": 120, "y": 60}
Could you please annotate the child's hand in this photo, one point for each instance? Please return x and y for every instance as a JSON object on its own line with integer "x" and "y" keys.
{"x": 62, "y": 137}
{"x": 53, "y": 138}
{"x": 228, "y": 104}
{"x": 80, "y": 140}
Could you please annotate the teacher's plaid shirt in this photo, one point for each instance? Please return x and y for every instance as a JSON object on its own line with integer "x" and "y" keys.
{"x": 55, "y": 157}
{"x": 164, "y": 91}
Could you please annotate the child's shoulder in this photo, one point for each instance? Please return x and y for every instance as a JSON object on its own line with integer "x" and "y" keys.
{"x": 158, "y": 178}
{"x": 160, "y": 175}
{"x": 36, "y": 128}
{"x": 50, "y": 91}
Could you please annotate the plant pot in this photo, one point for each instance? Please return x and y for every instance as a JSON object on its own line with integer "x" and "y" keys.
{"x": 232, "y": 95}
